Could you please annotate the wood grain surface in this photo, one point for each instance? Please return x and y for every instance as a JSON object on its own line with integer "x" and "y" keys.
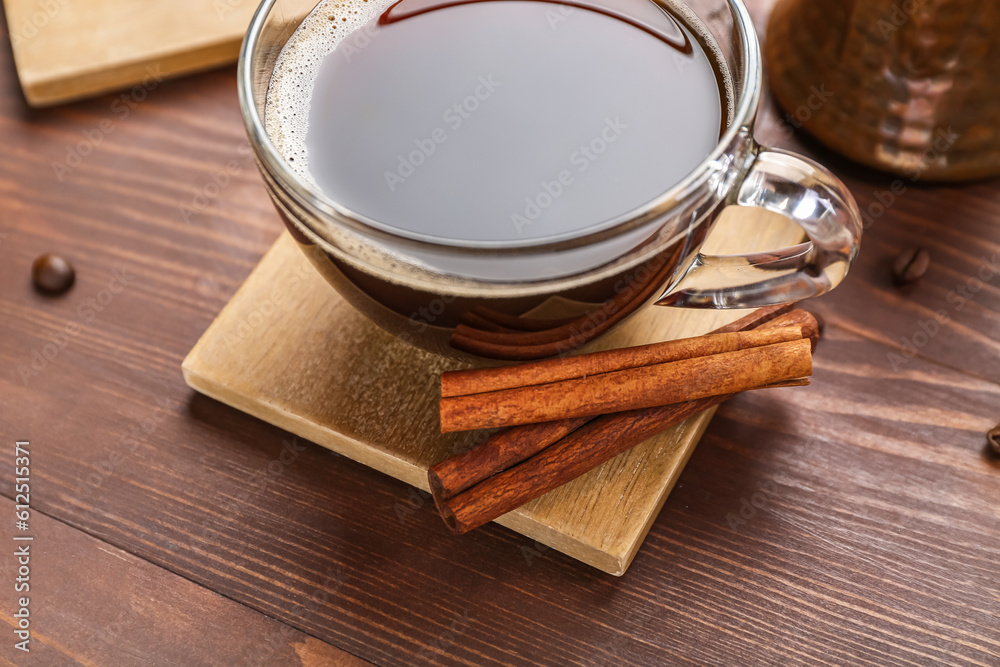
{"x": 94, "y": 604}
{"x": 856, "y": 521}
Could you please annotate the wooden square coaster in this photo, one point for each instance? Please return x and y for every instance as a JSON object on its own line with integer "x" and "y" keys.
{"x": 69, "y": 49}
{"x": 287, "y": 349}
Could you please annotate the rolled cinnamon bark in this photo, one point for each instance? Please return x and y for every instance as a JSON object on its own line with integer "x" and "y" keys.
{"x": 598, "y": 441}
{"x": 516, "y": 444}
{"x": 630, "y": 389}
{"x": 463, "y": 383}
{"x": 503, "y": 450}
{"x": 542, "y": 469}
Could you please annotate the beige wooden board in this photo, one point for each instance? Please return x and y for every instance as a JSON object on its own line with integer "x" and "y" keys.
{"x": 69, "y": 49}
{"x": 288, "y": 350}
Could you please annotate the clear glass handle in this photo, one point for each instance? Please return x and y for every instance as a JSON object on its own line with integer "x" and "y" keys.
{"x": 813, "y": 198}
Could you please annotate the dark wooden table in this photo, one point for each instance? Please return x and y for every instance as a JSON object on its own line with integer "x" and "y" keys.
{"x": 856, "y": 521}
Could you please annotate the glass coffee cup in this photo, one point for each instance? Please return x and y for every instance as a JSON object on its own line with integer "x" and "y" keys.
{"x": 519, "y": 299}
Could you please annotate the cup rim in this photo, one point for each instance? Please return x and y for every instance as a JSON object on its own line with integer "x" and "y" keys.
{"x": 316, "y": 202}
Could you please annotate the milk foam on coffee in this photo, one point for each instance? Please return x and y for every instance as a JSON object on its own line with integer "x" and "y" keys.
{"x": 494, "y": 121}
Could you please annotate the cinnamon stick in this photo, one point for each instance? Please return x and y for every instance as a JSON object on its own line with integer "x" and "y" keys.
{"x": 462, "y": 383}
{"x": 630, "y": 389}
{"x": 598, "y": 441}
{"x": 515, "y": 445}
{"x": 511, "y": 446}
{"x": 503, "y": 450}
{"x": 593, "y": 444}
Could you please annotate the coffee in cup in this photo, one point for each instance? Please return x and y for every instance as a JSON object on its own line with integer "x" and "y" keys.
{"x": 510, "y": 179}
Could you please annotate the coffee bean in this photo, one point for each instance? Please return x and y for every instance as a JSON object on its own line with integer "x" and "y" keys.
{"x": 910, "y": 265}
{"x": 994, "y": 438}
{"x": 52, "y": 274}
